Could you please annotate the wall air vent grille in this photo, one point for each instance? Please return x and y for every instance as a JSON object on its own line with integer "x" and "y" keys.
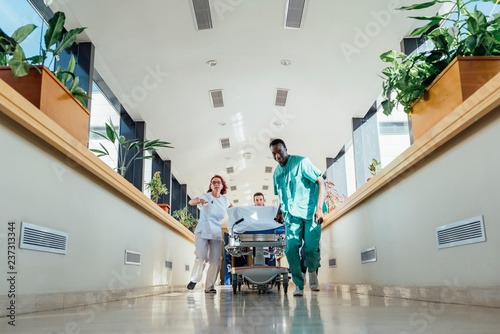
{"x": 265, "y": 187}
{"x": 224, "y": 143}
{"x": 43, "y": 239}
{"x": 464, "y": 232}
{"x": 230, "y": 170}
{"x": 168, "y": 264}
{"x": 294, "y": 12}
{"x": 236, "y": 201}
{"x": 369, "y": 255}
{"x": 332, "y": 263}
{"x": 202, "y": 14}
{"x": 186, "y": 267}
{"x": 217, "y": 100}
{"x": 132, "y": 257}
{"x": 233, "y": 188}
{"x": 281, "y": 96}
{"x": 269, "y": 169}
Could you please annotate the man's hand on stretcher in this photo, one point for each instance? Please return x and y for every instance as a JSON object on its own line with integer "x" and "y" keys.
{"x": 279, "y": 217}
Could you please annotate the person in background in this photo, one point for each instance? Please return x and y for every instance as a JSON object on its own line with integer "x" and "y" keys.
{"x": 208, "y": 233}
{"x": 301, "y": 191}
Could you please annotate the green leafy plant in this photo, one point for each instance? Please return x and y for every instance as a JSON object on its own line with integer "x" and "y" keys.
{"x": 463, "y": 33}
{"x": 185, "y": 217}
{"x": 128, "y": 150}
{"x": 156, "y": 187}
{"x": 55, "y": 41}
{"x": 374, "y": 167}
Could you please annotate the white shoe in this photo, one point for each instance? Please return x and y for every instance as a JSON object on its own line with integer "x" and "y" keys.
{"x": 298, "y": 292}
{"x": 313, "y": 281}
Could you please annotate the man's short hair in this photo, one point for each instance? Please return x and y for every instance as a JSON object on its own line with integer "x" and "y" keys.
{"x": 276, "y": 142}
{"x": 258, "y": 194}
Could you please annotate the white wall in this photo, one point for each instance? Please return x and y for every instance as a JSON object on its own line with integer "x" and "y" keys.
{"x": 458, "y": 181}
{"x": 41, "y": 186}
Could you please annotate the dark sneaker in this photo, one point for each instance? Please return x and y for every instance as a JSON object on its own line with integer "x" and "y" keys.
{"x": 211, "y": 291}
{"x": 191, "y": 286}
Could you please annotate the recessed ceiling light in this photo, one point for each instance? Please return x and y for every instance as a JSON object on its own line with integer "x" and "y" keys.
{"x": 211, "y": 62}
{"x": 223, "y": 124}
{"x": 285, "y": 62}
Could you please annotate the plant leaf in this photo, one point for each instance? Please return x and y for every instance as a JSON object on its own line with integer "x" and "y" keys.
{"x": 110, "y": 132}
{"x": 21, "y": 33}
{"x": 68, "y": 39}
{"x": 419, "y": 5}
{"x": 20, "y": 67}
{"x": 54, "y": 31}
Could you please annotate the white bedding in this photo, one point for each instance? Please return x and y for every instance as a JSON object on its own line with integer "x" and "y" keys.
{"x": 257, "y": 218}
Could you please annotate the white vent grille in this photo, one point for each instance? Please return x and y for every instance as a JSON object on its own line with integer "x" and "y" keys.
{"x": 202, "y": 14}
{"x": 269, "y": 169}
{"x": 217, "y": 100}
{"x": 132, "y": 257}
{"x": 168, "y": 264}
{"x": 369, "y": 255}
{"x": 233, "y": 188}
{"x": 43, "y": 239}
{"x": 265, "y": 187}
{"x": 281, "y": 96}
{"x": 294, "y": 12}
{"x": 186, "y": 267}
{"x": 224, "y": 143}
{"x": 230, "y": 170}
{"x": 332, "y": 263}
{"x": 464, "y": 232}
{"x": 236, "y": 201}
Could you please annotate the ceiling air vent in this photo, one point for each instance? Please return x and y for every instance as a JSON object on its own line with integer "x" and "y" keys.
{"x": 132, "y": 257}
{"x": 202, "y": 14}
{"x": 294, "y": 12}
{"x": 217, "y": 100}
{"x": 233, "y": 188}
{"x": 464, "y": 232}
{"x": 281, "y": 95}
{"x": 43, "y": 239}
{"x": 186, "y": 267}
{"x": 269, "y": 169}
{"x": 236, "y": 201}
{"x": 369, "y": 255}
{"x": 230, "y": 170}
{"x": 168, "y": 264}
{"x": 224, "y": 143}
{"x": 265, "y": 187}
{"x": 332, "y": 263}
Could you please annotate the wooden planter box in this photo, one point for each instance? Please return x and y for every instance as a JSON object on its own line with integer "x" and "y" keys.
{"x": 49, "y": 95}
{"x": 459, "y": 80}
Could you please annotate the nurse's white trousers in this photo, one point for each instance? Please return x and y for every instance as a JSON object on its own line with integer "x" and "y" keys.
{"x": 206, "y": 250}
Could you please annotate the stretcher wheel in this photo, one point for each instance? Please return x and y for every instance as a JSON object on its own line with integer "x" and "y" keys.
{"x": 278, "y": 285}
{"x": 285, "y": 283}
{"x": 239, "y": 286}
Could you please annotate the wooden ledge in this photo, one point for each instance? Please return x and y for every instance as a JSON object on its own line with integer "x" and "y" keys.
{"x": 484, "y": 100}
{"x": 27, "y": 115}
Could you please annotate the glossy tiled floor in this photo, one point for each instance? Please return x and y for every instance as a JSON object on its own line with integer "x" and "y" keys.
{"x": 250, "y": 312}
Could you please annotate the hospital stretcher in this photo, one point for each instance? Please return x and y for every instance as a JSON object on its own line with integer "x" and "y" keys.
{"x": 254, "y": 227}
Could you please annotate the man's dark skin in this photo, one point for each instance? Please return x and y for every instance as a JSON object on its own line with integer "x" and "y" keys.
{"x": 280, "y": 154}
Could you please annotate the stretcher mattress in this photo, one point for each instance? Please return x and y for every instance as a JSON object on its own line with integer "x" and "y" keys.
{"x": 255, "y": 219}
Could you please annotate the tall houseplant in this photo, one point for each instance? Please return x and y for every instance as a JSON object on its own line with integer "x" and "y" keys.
{"x": 185, "y": 218}
{"x": 157, "y": 188}
{"x": 463, "y": 33}
{"x": 129, "y": 150}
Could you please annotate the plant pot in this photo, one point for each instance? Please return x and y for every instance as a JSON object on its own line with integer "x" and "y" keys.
{"x": 459, "y": 80}
{"x": 49, "y": 95}
{"x": 165, "y": 207}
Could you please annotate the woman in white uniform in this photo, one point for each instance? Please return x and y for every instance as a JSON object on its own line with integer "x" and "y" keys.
{"x": 208, "y": 233}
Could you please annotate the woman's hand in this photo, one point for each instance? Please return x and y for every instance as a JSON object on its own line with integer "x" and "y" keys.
{"x": 201, "y": 201}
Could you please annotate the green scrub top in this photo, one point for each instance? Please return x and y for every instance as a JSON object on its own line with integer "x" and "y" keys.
{"x": 296, "y": 186}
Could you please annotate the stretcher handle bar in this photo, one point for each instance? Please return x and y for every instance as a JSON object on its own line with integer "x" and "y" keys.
{"x": 236, "y": 223}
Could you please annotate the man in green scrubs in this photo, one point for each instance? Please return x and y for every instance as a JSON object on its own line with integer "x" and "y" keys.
{"x": 301, "y": 190}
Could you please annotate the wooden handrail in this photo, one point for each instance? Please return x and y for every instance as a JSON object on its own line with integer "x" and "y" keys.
{"x": 479, "y": 104}
{"x": 27, "y": 115}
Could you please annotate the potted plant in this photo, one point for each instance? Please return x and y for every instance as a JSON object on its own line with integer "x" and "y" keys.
{"x": 374, "y": 167}
{"x": 332, "y": 198}
{"x": 157, "y": 188}
{"x": 464, "y": 53}
{"x": 185, "y": 218}
{"x": 38, "y": 84}
{"x": 129, "y": 150}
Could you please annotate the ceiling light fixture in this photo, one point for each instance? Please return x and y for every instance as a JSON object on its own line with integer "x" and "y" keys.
{"x": 211, "y": 62}
{"x": 285, "y": 62}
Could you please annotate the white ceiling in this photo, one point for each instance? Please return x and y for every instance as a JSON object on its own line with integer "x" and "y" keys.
{"x": 327, "y": 86}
